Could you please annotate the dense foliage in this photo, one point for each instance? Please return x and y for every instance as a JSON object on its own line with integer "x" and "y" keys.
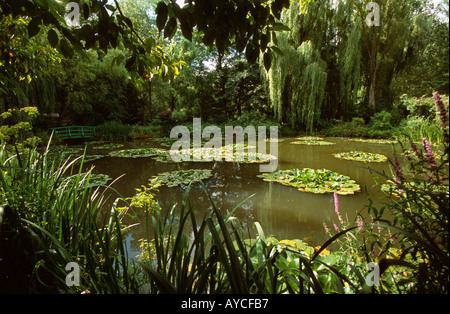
{"x": 135, "y": 69}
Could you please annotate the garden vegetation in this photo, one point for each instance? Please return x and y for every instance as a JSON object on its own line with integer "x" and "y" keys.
{"x": 311, "y": 67}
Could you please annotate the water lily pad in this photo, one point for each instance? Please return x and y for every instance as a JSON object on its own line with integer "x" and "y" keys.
{"x": 371, "y": 140}
{"x": 313, "y": 143}
{"x": 137, "y": 153}
{"x": 318, "y": 181}
{"x": 274, "y": 140}
{"x": 181, "y": 177}
{"x": 108, "y": 146}
{"x": 361, "y": 156}
{"x": 220, "y": 154}
{"x": 310, "y": 138}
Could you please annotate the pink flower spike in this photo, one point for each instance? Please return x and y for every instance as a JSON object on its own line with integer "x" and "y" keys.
{"x": 360, "y": 224}
{"x": 336, "y": 202}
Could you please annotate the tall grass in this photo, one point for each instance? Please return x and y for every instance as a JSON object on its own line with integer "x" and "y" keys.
{"x": 54, "y": 215}
{"x": 415, "y": 128}
{"x": 114, "y": 131}
{"x": 217, "y": 256}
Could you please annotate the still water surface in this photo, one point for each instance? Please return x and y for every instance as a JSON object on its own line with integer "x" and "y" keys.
{"x": 283, "y": 211}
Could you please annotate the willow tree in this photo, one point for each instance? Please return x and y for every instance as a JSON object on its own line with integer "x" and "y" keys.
{"x": 296, "y": 82}
{"x": 334, "y": 62}
{"x": 349, "y": 57}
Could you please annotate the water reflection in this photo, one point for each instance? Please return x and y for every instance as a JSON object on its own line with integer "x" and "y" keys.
{"x": 283, "y": 212}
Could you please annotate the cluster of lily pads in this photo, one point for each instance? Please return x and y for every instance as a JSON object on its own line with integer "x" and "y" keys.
{"x": 317, "y": 181}
{"x": 371, "y": 140}
{"x": 361, "y": 156}
{"x": 181, "y": 177}
{"x": 106, "y": 146}
{"x": 311, "y": 140}
{"x": 234, "y": 152}
{"x": 137, "y": 153}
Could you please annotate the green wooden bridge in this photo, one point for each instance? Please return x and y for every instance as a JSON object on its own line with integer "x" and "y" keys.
{"x": 75, "y": 132}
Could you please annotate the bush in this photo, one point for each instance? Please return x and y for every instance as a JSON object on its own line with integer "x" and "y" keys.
{"x": 379, "y": 127}
{"x": 423, "y": 106}
{"x": 179, "y": 116}
{"x": 114, "y": 131}
{"x": 355, "y": 128}
{"x": 424, "y": 119}
{"x": 91, "y": 91}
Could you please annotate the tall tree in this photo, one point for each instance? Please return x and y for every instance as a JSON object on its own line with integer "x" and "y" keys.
{"x": 332, "y": 59}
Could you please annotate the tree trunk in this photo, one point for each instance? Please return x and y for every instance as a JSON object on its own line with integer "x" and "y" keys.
{"x": 150, "y": 97}
{"x": 373, "y": 73}
{"x": 223, "y": 82}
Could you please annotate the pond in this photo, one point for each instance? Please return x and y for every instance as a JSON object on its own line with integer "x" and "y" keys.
{"x": 283, "y": 211}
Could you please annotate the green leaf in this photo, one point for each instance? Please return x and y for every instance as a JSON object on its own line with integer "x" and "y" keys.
{"x": 43, "y": 4}
{"x": 52, "y": 38}
{"x": 86, "y": 11}
{"x": 130, "y": 62}
{"x": 170, "y": 28}
{"x": 277, "y": 50}
{"x": 110, "y": 7}
{"x": 267, "y": 61}
{"x": 160, "y": 280}
{"x": 251, "y": 53}
{"x": 34, "y": 27}
{"x": 149, "y": 43}
{"x": 286, "y": 4}
{"x": 162, "y": 13}
{"x": 280, "y": 27}
{"x": 65, "y": 49}
{"x": 208, "y": 39}
{"x": 330, "y": 241}
{"x": 264, "y": 41}
{"x": 186, "y": 30}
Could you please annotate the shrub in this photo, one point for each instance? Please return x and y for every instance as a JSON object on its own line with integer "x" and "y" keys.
{"x": 424, "y": 119}
{"x": 424, "y": 106}
{"x": 179, "y": 116}
{"x": 355, "y": 128}
{"x": 165, "y": 116}
{"x": 380, "y": 125}
{"x": 114, "y": 131}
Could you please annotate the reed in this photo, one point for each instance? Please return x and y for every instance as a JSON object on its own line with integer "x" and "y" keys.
{"x": 416, "y": 128}
{"x": 61, "y": 218}
{"x": 218, "y": 256}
